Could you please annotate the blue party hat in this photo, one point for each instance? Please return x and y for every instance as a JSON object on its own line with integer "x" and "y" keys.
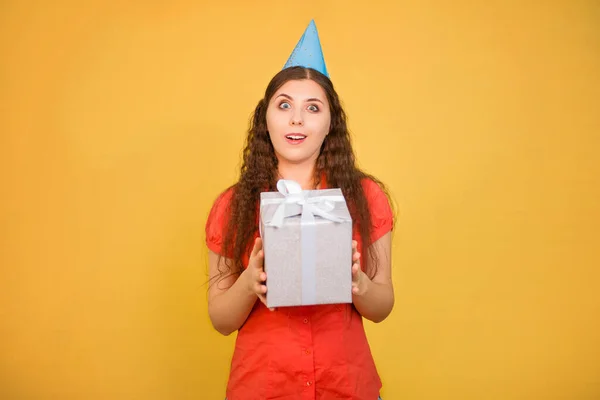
{"x": 307, "y": 52}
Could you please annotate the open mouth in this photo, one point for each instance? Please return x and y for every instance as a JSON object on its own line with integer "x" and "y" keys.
{"x": 295, "y": 138}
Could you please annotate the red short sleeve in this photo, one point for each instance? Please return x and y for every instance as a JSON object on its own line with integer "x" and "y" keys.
{"x": 217, "y": 220}
{"x": 382, "y": 217}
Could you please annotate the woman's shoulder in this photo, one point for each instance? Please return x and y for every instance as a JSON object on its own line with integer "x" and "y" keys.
{"x": 218, "y": 219}
{"x": 373, "y": 188}
{"x": 220, "y": 206}
{"x": 224, "y": 197}
{"x": 380, "y": 205}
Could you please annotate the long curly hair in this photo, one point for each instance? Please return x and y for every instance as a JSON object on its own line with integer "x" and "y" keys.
{"x": 259, "y": 173}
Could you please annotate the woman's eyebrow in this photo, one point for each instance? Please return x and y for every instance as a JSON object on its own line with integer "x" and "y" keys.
{"x": 290, "y": 97}
{"x": 286, "y": 96}
{"x": 314, "y": 99}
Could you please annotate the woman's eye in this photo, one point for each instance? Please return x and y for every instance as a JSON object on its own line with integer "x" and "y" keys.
{"x": 312, "y": 107}
{"x": 284, "y": 105}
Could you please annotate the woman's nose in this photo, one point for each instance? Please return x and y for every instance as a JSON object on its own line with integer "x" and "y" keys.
{"x": 296, "y": 118}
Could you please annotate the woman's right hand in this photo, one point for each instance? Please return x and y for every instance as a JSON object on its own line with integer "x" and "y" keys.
{"x": 256, "y": 275}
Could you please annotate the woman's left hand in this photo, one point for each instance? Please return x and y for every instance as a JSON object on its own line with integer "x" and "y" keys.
{"x": 360, "y": 280}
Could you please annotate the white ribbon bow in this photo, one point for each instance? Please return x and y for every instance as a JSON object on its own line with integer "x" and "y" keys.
{"x": 310, "y": 206}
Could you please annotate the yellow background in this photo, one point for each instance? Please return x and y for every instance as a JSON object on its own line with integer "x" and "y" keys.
{"x": 121, "y": 121}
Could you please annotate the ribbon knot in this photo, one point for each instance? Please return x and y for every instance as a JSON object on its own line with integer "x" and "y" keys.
{"x": 309, "y": 206}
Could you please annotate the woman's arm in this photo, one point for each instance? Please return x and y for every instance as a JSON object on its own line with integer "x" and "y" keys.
{"x": 374, "y": 299}
{"x": 231, "y": 299}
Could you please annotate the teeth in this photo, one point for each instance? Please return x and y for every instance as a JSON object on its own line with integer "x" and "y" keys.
{"x": 296, "y": 137}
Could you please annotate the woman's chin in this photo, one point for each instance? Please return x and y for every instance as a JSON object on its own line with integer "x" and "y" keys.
{"x": 294, "y": 157}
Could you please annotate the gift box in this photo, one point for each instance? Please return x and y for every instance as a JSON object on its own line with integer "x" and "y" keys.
{"x": 307, "y": 244}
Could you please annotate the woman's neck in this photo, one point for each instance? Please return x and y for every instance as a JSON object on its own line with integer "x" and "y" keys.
{"x": 301, "y": 173}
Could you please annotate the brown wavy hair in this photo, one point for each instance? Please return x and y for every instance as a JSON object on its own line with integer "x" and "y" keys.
{"x": 258, "y": 173}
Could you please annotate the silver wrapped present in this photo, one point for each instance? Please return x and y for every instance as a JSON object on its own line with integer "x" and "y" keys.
{"x": 307, "y": 242}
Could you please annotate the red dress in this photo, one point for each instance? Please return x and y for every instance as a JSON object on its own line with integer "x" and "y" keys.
{"x": 306, "y": 352}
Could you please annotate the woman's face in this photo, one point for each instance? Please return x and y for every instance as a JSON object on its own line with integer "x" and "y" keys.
{"x": 298, "y": 119}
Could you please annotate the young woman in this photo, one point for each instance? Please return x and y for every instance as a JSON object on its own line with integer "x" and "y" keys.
{"x": 299, "y": 133}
